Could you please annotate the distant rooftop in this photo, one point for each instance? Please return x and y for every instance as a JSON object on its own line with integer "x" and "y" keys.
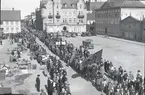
{"x": 95, "y": 5}
{"x": 126, "y": 3}
{"x": 10, "y": 15}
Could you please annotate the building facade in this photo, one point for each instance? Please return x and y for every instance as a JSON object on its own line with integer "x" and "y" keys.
{"x": 131, "y": 29}
{"x": 10, "y": 21}
{"x": 39, "y": 24}
{"x": 64, "y": 14}
{"x": 143, "y": 30}
{"x": 112, "y": 12}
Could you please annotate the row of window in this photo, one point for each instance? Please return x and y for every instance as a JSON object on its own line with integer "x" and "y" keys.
{"x": 69, "y": 13}
{"x": 109, "y": 21}
{"x": 108, "y": 11}
{"x": 70, "y": 20}
{"x": 11, "y": 23}
{"x": 108, "y": 15}
{"x": 12, "y": 29}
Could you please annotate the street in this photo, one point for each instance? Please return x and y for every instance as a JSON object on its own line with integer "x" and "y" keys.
{"x": 78, "y": 85}
{"x": 128, "y": 54}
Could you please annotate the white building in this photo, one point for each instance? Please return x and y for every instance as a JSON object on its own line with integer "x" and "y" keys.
{"x": 57, "y": 14}
{"x": 11, "y": 21}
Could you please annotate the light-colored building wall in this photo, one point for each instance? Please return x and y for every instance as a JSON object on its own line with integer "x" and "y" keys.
{"x": 11, "y": 26}
{"x": 68, "y": 17}
{"x": 137, "y": 13}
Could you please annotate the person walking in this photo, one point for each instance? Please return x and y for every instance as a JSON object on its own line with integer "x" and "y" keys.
{"x": 42, "y": 92}
{"x": 38, "y": 83}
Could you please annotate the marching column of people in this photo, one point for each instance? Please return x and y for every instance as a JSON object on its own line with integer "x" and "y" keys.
{"x": 57, "y": 83}
{"x": 105, "y": 77}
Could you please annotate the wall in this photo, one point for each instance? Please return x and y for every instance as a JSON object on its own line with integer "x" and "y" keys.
{"x": 68, "y": 17}
{"x": 110, "y": 19}
{"x": 143, "y": 31}
{"x": 70, "y": 28}
{"x": 39, "y": 24}
{"x": 131, "y": 30}
{"x": 11, "y": 26}
{"x": 137, "y": 13}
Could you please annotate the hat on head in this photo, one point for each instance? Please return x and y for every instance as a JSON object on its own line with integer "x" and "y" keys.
{"x": 38, "y": 75}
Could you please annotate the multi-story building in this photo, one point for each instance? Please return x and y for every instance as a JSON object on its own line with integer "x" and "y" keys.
{"x": 131, "y": 28}
{"x": 39, "y": 24}
{"x": 112, "y": 12}
{"x": 58, "y": 15}
{"x": 11, "y": 21}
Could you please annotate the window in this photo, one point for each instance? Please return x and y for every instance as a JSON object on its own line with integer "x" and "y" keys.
{"x": 12, "y": 29}
{"x": 17, "y": 23}
{"x": 63, "y": 20}
{"x": 80, "y": 6}
{"x": 7, "y": 29}
{"x": 74, "y": 12}
{"x": 7, "y": 23}
{"x": 17, "y": 28}
{"x": 65, "y": 5}
{"x": 74, "y": 20}
{"x": 70, "y": 20}
{"x": 12, "y": 23}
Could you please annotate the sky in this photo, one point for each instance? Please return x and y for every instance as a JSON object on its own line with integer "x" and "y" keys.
{"x": 26, "y": 6}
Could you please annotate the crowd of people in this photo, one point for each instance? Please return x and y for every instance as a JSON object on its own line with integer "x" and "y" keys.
{"x": 57, "y": 83}
{"x": 105, "y": 77}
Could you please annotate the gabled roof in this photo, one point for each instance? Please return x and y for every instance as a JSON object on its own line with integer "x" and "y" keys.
{"x": 69, "y": 4}
{"x": 95, "y": 5}
{"x": 10, "y": 15}
{"x": 125, "y": 3}
{"x": 130, "y": 19}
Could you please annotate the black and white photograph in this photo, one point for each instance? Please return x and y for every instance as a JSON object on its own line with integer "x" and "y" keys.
{"x": 72, "y": 47}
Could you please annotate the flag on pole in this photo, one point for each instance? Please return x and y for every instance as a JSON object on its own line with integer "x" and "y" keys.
{"x": 94, "y": 58}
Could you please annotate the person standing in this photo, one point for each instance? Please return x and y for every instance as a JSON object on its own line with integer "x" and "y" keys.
{"x": 42, "y": 92}
{"x": 49, "y": 86}
{"x": 38, "y": 83}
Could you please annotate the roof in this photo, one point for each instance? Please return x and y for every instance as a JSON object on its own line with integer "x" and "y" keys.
{"x": 10, "y": 15}
{"x": 130, "y": 19}
{"x": 91, "y": 16}
{"x": 95, "y": 5}
{"x": 69, "y": 3}
{"x": 126, "y": 3}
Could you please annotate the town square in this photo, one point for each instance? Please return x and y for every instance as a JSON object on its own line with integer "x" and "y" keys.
{"x": 72, "y": 47}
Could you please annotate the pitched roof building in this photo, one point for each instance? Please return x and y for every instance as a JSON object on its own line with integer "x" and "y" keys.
{"x": 58, "y": 14}
{"x": 10, "y": 15}
{"x": 11, "y": 21}
{"x": 112, "y": 12}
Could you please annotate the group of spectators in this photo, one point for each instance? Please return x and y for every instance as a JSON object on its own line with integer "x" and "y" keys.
{"x": 57, "y": 83}
{"x": 104, "y": 76}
